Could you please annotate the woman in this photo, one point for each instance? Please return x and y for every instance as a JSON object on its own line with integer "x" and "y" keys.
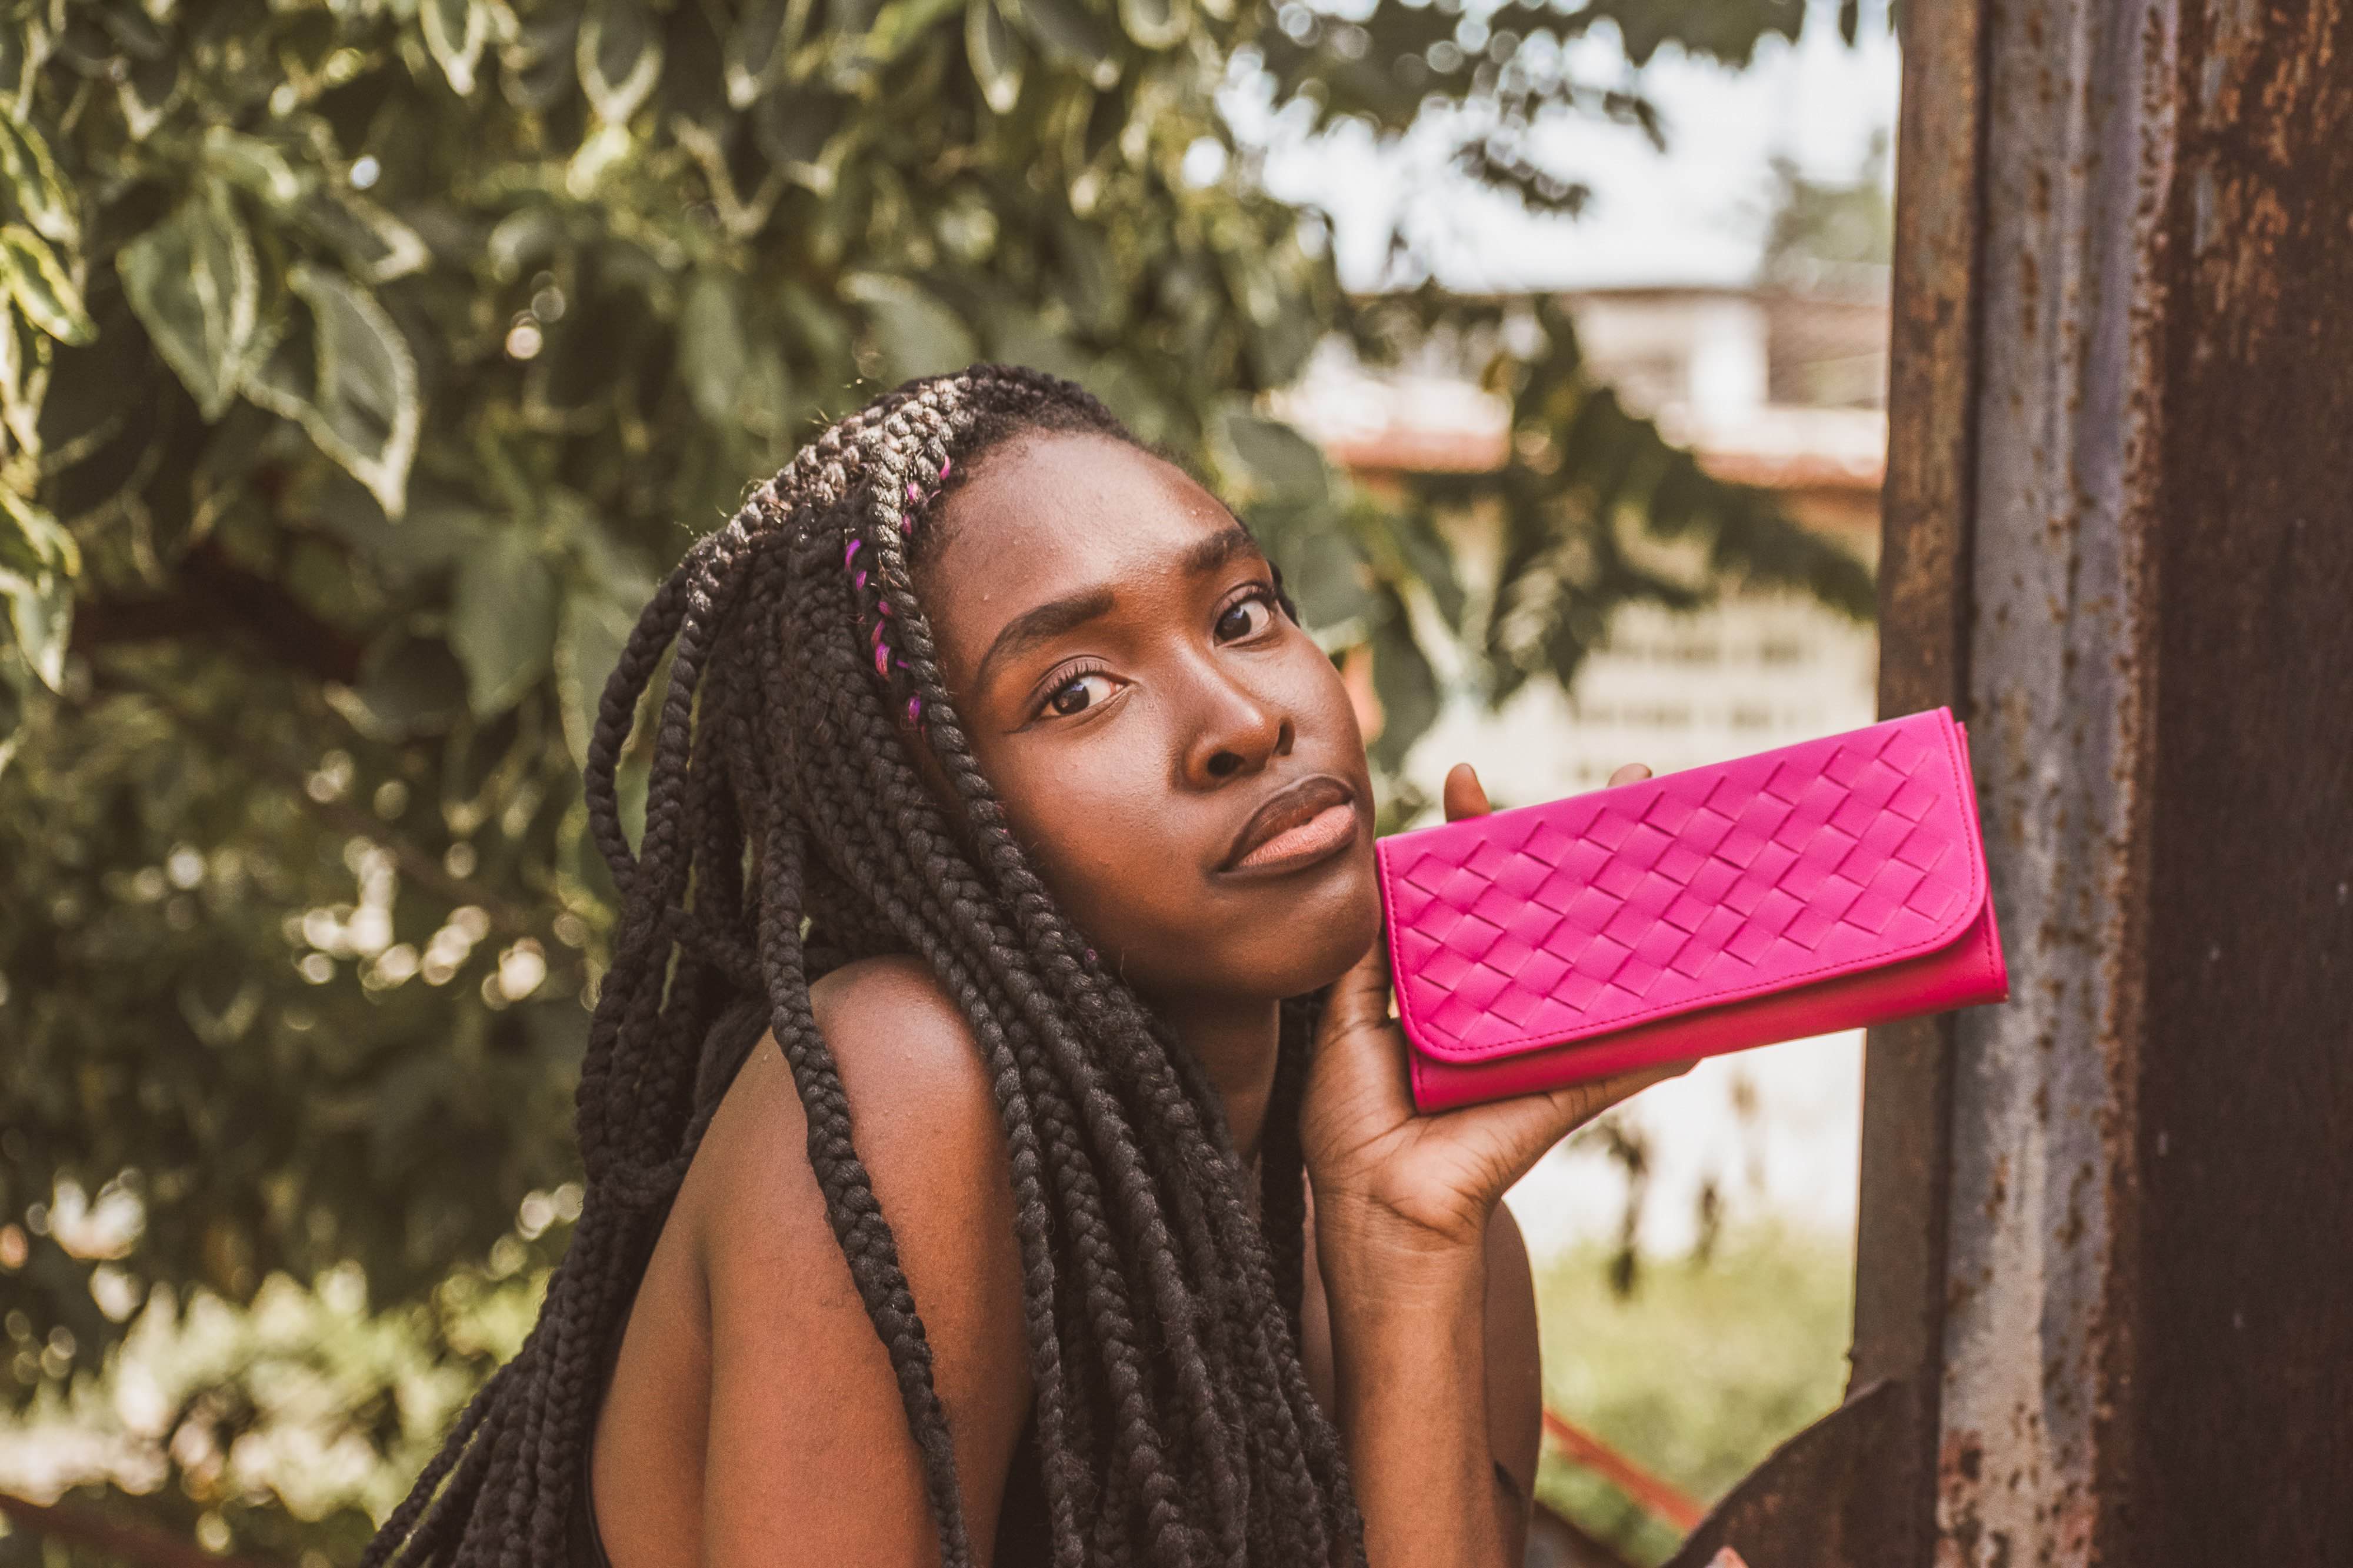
{"x": 972, "y": 1175}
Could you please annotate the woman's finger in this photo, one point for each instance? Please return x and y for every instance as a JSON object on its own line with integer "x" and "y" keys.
{"x": 1632, "y": 773}
{"x": 1528, "y": 1126}
{"x": 1360, "y": 999}
{"x": 1463, "y": 795}
{"x": 1579, "y": 1103}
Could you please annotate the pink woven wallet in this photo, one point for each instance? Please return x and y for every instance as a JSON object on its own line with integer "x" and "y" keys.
{"x": 1810, "y": 888}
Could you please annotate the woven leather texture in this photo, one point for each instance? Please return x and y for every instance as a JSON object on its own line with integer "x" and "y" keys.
{"x": 1549, "y": 923}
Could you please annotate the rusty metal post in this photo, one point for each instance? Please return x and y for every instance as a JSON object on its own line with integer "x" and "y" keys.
{"x": 2034, "y": 1422}
{"x": 2105, "y": 1304}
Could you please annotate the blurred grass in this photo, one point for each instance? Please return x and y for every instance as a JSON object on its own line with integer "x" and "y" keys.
{"x": 1697, "y": 1373}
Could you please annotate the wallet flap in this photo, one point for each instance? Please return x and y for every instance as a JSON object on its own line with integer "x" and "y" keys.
{"x": 1546, "y": 924}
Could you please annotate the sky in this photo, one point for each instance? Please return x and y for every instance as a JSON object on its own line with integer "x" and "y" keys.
{"x": 1692, "y": 214}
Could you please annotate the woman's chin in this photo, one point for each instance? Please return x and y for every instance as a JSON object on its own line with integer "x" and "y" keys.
{"x": 1322, "y": 939}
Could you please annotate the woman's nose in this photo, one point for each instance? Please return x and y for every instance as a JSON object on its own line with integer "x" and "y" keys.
{"x": 1237, "y": 731}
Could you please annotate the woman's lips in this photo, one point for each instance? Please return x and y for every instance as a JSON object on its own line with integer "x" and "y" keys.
{"x": 1281, "y": 813}
{"x": 1311, "y": 840}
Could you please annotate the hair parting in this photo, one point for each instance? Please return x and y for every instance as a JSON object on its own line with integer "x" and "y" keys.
{"x": 788, "y": 832}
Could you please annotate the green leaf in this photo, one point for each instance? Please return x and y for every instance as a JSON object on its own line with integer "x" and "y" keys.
{"x": 39, "y": 563}
{"x": 795, "y": 128}
{"x": 539, "y": 60}
{"x": 596, "y": 629}
{"x": 1091, "y": 284}
{"x": 410, "y": 685}
{"x": 758, "y": 45}
{"x": 192, "y": 282}
{"x": 254, "y": 164}
{"x": 1019, "y": 336}
{"x": 24, "y": 379}
{"x": 1431, "y": 561}
{"x": 455, "y": 34}
{"x": 1277, "y": 462}
{"x": 994, "y": 51}
{"x": 1067, "y": 30}
{"x": 523, "y": 238}
{"x": 375, "y": 245}
{"x": 41, "y": 193}
{"x": 713, "y": 356}
{"x": 1406, "y": 685}
{"x": 347, "y": 376}
{"x": 12, "y": 708}
{"x": 1327, "y": 577}
{"x": 148, "y": 91}
{"x": 901, "y": 23}
{"x": 502, "y": 619}
{"x": 1154, "y": 24}
{"x": 40, "y": 613}
{"x": 619, "y": 57}
{"x": 917, "y": 334}
{"x": 42, "y": 289}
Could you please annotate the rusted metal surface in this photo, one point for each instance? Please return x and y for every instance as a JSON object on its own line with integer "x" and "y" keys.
{"x": 2242, "y": 1429}
{"x": 2034, "y": 1424}
{"x": 1818, "y": 1500}
{"x": 1557, "y": 1542}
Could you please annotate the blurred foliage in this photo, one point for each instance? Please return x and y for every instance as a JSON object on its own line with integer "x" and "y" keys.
{"x": 290, "y": 1424}
{"x": 1819, "y": 226}
{"x": 364, "y": 362}
{"x": 1695, "y": 1373}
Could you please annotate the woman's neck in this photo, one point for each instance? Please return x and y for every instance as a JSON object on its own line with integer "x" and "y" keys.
{"x": 1237, "y": 1041}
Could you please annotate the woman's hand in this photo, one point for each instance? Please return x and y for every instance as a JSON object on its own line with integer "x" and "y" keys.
{"x": 1389, "y": 1182}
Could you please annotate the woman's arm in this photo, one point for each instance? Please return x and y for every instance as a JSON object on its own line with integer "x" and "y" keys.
{"x": 808, "y": 1458}
{"x": 1440, "y": 1401}
{"x": 1406, "y": 1228}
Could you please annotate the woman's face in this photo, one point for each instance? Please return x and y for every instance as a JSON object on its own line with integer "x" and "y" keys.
{"x": 1179, "y": 760}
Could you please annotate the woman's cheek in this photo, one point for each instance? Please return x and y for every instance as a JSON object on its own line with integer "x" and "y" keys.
{"x": 1087, "y": 835}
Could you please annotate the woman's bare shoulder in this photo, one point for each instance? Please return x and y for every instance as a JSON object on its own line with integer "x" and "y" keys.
{"x": 922, "y": 1116}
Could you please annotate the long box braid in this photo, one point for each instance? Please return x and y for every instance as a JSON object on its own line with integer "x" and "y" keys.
{"x": 788, "y": 832}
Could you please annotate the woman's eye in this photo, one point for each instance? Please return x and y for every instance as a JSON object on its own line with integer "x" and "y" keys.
{"x": 1077, "y": 695}
{"x": 1247, "y": 617}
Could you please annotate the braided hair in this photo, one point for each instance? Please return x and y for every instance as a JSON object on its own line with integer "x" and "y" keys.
{"x": 788, "y": 832}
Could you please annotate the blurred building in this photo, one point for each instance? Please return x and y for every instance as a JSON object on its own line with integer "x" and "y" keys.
{"x": 1780, "y": 388}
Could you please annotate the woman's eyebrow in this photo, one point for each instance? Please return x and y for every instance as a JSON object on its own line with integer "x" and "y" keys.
{"x": 1218, "y": 549}
{"x": 1045, "y": 622}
